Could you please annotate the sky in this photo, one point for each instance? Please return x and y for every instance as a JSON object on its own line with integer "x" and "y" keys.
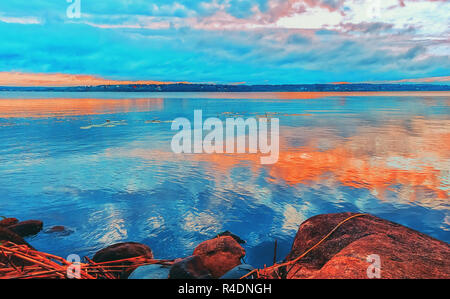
{"x": 224, "y": 41}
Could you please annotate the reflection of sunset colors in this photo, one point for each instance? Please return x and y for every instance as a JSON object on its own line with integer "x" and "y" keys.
{"x": 414, "y": 159}
{"x": 376, "y": 159}
{"x": 71, "y": 107}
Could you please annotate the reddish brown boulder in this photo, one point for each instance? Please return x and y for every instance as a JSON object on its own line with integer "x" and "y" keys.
{"x": 123, "y": 251}
{"x": 189, "y": 268}
{"x": 403, "y": 252}
{"x": 8, "y": 222}
{"x": 27, "y": 228}
{"x": 220, "y": 255}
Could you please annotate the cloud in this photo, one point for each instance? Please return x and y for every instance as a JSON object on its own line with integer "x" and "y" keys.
{"x": 43, "y": 79}
{"x": 225, "y": 41}
{"x": 445, "y": 79}
{"x": 19, "y": 20}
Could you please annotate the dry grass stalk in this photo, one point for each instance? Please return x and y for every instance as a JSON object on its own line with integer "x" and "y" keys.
{"x": 22, "y": 262}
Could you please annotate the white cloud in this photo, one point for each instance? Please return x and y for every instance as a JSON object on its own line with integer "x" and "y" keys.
{"x": 20, "y": 20}
{"x": 428, "y": 17}
{"x": 314, "y": 18}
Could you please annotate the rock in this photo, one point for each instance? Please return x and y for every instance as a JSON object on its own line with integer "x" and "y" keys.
{"x": 27, "y": 228}
{"x": 59, "y": 230}
{"x": 239, "y": 271}
{"x": 189, "y": 268}
{"x": 404, "y": 253}
{"x": 123, "y": 251}
{"x": 220, "y": 255}
{"x": 236, "y": 238}
{"x": 7, "y": 235}
{"x": 8, "y": 222}
{"x": 150, "y": 272}
{"x": 56, "y": 229}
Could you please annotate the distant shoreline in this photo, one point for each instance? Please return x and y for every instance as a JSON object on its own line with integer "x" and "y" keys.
{"x": 239, "y": 88}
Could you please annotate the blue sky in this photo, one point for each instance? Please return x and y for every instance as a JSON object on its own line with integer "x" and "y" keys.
{"x": 229, "y": 41}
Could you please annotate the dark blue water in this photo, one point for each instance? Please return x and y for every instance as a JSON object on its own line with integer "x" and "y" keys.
{"x": 101, "y": 165}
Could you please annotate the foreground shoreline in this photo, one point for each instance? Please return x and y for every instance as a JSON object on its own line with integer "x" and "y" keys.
{"x": 329, "y": 246}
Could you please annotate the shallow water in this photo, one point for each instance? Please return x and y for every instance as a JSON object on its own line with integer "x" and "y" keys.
{"x": 101, "y": 164}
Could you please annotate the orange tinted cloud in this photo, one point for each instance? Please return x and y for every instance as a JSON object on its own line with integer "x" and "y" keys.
{"x": 421, "y": 80}
{"x": 54, "y": 80}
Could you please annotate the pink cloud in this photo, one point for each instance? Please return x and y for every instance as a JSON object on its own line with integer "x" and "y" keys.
{"x": 32, "y": 79}
{"x": 424, "y": 80}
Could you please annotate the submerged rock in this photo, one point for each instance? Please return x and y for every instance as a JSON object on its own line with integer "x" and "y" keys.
{"x": 220, "y": 255}
{"x": 150, "y": 272}
{"x": 8, "y": 222}
{"x": 239, "y": 271}
{"x": 349, "y": 251}
{"x": 123, "y": 251}
{"x": 189, "y": 268}
{"x": 27, "y": 228}
{"x": 59, "y": 230}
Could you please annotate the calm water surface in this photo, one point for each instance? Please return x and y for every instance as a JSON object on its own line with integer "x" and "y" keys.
{"x": 61, "y": 161}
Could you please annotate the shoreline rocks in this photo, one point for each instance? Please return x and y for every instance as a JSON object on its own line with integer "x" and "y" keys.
{"x": 8, "y": 222}
{"x": 190, "y": 268}
{"x": 220, "y": 255}
{"x": 27, "y": 228}
{"x": 123, "y": 251}
{"x": 11, "y": 230}
{"x": 403, "y": 252}
{"x": 7, "y": 235}
{"x": 346, "y": 254}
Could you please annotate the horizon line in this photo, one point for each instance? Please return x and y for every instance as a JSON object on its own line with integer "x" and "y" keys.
{"x": 56, "y": 80}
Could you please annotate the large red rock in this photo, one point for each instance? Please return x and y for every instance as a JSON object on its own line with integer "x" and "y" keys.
{"x": 123, "y": 251}
{"x": 220, "y": 255}
{"x": 403, "y": 252}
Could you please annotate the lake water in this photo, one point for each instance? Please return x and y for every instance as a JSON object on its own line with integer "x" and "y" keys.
{"x": 101, "y": 164}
